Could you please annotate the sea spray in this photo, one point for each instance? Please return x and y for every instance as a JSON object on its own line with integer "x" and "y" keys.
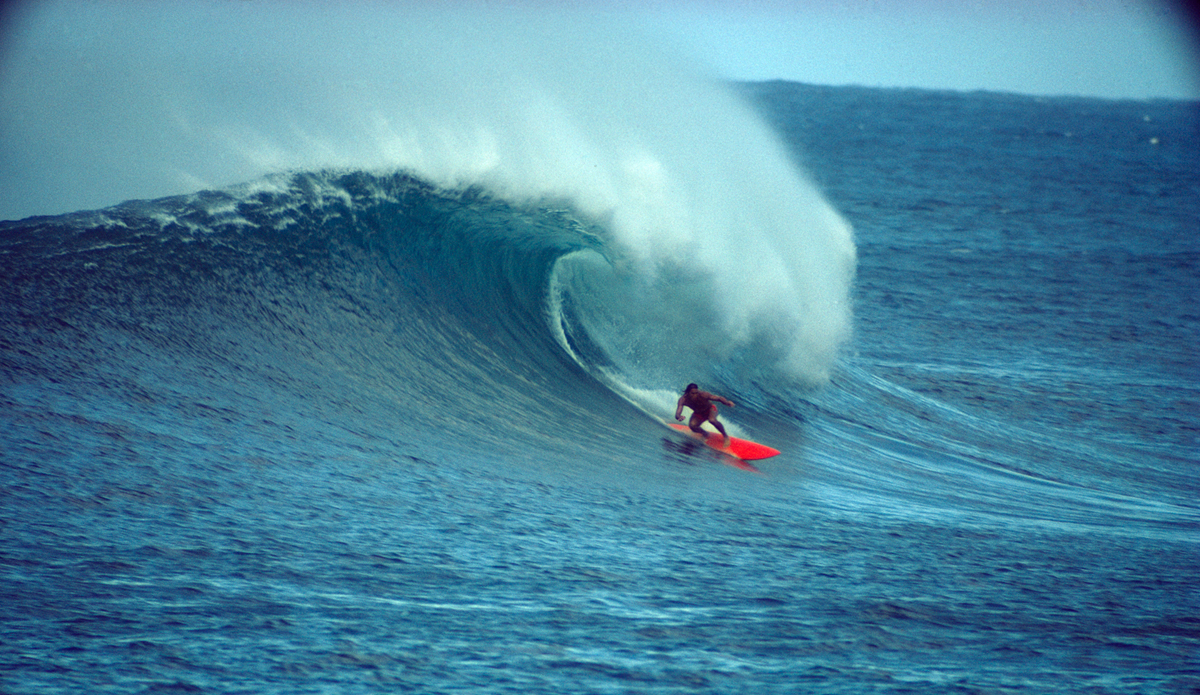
{"x": 530, "y": 106}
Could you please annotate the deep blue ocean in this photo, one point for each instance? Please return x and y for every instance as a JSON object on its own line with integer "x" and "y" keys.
{"x": 357, "y": 430}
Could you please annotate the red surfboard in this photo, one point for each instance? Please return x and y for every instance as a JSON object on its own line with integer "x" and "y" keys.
{"x": 743, "y": 449}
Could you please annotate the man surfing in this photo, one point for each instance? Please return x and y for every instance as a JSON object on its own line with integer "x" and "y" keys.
{"x": 703, "y": 408}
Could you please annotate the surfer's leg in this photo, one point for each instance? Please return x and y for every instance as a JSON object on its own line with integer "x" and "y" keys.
{"x": 712, "y": 417}
{"x": 695, "y": 424}
{"x": 720, "y": 428}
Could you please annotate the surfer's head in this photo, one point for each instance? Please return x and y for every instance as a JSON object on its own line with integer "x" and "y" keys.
{"x": 690, "y": 387}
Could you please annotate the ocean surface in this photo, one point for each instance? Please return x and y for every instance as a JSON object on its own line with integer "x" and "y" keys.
{"x": 362, "y": 430}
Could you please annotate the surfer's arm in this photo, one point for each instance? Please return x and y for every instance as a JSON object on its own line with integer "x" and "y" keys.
{"x": 719, "y": 399}
{"x": 679, "y": 410}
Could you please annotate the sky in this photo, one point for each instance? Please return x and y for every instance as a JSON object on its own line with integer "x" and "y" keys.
{"x": 1102, "y": 48}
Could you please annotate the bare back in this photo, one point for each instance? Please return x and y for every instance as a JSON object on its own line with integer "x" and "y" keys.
{"x": 699, "y": 401}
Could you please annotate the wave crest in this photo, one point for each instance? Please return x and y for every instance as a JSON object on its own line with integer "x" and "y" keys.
{"x": 532, "y": 106}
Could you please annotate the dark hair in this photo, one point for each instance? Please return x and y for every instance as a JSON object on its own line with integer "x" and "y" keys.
{"x": 690, "y": 387}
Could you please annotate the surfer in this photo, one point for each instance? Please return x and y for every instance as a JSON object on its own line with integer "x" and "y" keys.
{"x": 703, "y": 408}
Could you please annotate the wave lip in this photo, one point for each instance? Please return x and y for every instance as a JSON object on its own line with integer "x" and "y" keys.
{"x": 529, "y": 105}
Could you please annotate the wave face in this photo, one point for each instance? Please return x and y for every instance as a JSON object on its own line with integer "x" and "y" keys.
{"x": 531, "y": 106}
